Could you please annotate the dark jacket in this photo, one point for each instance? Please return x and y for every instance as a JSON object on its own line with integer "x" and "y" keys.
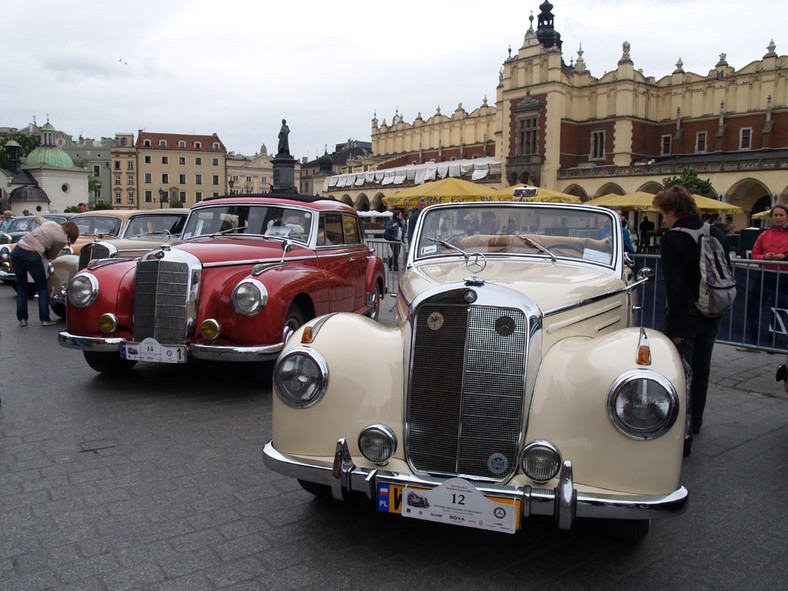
{"x": 412, "y": 224}
{"x": 681, "y": 270}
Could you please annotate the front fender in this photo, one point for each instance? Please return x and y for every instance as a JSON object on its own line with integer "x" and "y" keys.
{"x": 64, "y": 268}
{"x": 569, "y": 408}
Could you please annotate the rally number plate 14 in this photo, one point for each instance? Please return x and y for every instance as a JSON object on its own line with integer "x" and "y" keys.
{"x": 151, "y": 350}
{"x": 455, "y": 501}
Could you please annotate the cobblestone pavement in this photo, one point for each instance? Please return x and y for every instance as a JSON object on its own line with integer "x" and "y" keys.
{"x": 155, "y": 481}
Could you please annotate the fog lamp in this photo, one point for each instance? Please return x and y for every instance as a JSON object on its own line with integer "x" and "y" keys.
{"x": 210, "y": 329}
{"x": 540, "y": 460}
{"x": 108, "y": 323}
{"x": 377, "y": 443}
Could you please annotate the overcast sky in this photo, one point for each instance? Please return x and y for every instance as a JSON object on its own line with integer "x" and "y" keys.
{"x": 237, "y": 67}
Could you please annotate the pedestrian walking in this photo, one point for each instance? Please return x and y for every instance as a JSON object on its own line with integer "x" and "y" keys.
{"x": 693, "y": 333}
{"x": 44, "y": 242}
{"x": 771, "y": 245}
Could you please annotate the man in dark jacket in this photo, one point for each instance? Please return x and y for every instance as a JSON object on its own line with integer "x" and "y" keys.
{"x": 693, "y": 333}
{"x": 415, "y": 216}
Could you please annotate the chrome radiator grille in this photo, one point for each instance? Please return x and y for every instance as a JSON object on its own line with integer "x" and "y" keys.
{"x": 94, "y": 250}
{"x": 466, "y": 390}
{"x": 160, "y": 301}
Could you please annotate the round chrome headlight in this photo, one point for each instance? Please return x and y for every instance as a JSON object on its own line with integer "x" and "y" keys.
{"x": 643, "y": 404}
{"x": 377, "y": 443}
{"x": 301, "y": 377}
{"x": 540, "y": 460}
{"x": 82, "y": 290}
{"x": 5, "y": 253}
{"x": 249, "y": 297}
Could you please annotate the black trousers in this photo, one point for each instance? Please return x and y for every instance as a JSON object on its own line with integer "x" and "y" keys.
{"x": 697, "y": 349}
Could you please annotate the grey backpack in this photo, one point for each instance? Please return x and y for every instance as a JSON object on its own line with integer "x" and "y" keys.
{"x": 717, "y": 289}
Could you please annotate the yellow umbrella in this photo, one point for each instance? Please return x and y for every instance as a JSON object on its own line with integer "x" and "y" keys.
{"x": 763, "y": 215}
{"x": 542, "y": 194}
{"x": 639, "y": 200}
{"x": 707, "y": 204}
{"x": 443, "y": 191}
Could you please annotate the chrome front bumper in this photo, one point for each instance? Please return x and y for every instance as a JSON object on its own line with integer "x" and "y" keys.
{"x": 197, "y": 351}
{"x": 564, "y": 502}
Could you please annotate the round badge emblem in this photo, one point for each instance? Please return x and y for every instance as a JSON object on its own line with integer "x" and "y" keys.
{"x": 504, "y": 325}
{"x": 497, "y": 463}
{"x": 476, "y": 262}
{"x": 499, "y": 512}
{"x": 435, "y": 321}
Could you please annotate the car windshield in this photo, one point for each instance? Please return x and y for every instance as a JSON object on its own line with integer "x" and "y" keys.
{"x": 154, "y": 225}
{"x": 97, "y": 224}
{"x": 20, "y": 225}
{"x": 519, "y": 229}
{"x": 258, "y": 220}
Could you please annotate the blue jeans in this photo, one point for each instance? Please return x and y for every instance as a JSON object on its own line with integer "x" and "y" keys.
{"x": 24, "y": 262}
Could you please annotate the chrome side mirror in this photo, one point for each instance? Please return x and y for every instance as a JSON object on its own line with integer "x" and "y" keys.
{"x": 645, "y": 274}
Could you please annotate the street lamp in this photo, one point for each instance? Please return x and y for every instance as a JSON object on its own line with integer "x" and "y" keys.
{"x": 162, "y": 198}
{"x": 230, "y": 182}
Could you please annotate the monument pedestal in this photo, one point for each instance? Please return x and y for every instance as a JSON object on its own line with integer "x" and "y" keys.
{"x": 284, "y": 174}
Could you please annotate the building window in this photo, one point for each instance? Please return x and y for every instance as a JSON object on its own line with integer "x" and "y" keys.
{"x": 597, "y": 145}
{"x": 162, "y": 143}
{"x": 527, "y": 136}
{"x": 147, "y": 159}
{"x": 181, "y": 144}
{"x": 666, "y": 145}
{"x": 165, "y": 178}
{"x": 164, "y": 160}
{"x": 215, "y": 194}
{"x": 235, "y": 178}
{"x": 130, "y": 165}
{"x": 700, "y": 141}
{"x": 118, "y": 195}
{"x": 198, "y": 179}
{"x": 215, "y": 179}
{"x": 216, "y": 162}
{"x": 117, "y": 164}
{"x": 148, "y": 196}
{"x": 248, "y": 179}
{"x": 745, "y": 138}
{"x": 124, "y": 142}
{"x": 182, "y": 179}
{"x": 182, "y": 160}
{"x": 198, "y": 161}
{"x": 183, "y": 196}
{"x": 146, "y": 143}
{"x": 197, "y": 145}
{"x": 216, "y": 145}
{"x": 130, "y": 179}
{"x": 130, "y": 197}
{"x": 148, "y": 178}
{"x": 117, "y": 179}
{"x": 198, "y": 196}
{"x": 96, "y": 170}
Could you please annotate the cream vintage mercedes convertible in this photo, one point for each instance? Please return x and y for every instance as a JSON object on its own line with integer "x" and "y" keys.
{"x": 515, "y": 385}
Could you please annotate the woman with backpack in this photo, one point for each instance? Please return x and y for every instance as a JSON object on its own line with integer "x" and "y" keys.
{"x": 394, "y": 234}
{"x": 693, "y": 332}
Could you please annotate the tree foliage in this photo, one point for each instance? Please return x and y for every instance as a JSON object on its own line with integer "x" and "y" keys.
{"x": 28, "y": 143}
{"x": 690, "y": 181}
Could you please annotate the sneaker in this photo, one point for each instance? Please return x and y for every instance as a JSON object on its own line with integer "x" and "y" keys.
{"x": 48, "y": 322}
{"x": 23, "y": 322}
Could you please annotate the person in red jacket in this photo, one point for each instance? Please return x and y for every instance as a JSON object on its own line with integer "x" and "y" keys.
{"x": 771, "y": 245}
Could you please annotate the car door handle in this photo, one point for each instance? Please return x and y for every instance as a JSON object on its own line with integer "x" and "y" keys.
{"x": 351, "y": 259}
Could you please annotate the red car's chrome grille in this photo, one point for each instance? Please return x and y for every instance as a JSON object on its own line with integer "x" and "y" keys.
{"x": 466, "y": 390}
{"x": 160, "y": 301}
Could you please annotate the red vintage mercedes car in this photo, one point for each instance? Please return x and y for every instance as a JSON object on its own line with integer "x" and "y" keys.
{"x": 249, "y": 270}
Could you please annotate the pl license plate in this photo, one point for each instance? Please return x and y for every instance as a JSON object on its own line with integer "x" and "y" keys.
{"x": 151, "y": 350}
{"x": 456, "y": 501}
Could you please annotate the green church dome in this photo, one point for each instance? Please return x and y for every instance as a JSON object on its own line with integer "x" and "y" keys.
{"x": 49, "y": 156}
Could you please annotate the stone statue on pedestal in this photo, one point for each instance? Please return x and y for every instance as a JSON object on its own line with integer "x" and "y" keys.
{"x": 284, "y": 143}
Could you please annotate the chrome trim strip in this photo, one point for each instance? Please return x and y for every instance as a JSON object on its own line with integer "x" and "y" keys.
{"x": 236, "y": 263}
{"x": 605, "y": 310}
{"x": 536, "y": 501}
{"x": 581, "y": 303}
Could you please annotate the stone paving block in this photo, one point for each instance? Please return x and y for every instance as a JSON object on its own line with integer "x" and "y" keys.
{"x": 32, "y": 582}
{"x": 194, "y": 582}
{"x": 86, "y": 568}
{"x": 199, "y": 539}
{"x": 227, "y": 574}
{"x": 134, "y": 577}
{"x": 183, "y": 563}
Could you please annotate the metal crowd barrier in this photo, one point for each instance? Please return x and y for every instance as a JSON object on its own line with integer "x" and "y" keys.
{"x": 759, "y": 316}
{"x": 382, "y": 248}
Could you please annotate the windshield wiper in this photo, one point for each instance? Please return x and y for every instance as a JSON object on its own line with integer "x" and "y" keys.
{"x": 533, "y": 243}
{"x": 445, "y": 244}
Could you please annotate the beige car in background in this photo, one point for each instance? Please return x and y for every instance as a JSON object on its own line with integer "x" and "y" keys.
{"x": 103, "y": 234}
{"x": 517, "y": 383}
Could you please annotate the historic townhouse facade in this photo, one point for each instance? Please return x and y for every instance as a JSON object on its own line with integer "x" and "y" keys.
{"x": 556, "y": 125}
{"x": 179, "y": 168}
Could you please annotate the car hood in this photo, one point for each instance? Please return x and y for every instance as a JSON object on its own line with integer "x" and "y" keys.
{"x": 220, "y": 250}
{"x": 547, "y": 283}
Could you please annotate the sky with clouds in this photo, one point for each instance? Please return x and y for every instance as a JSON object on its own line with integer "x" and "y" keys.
{"x": 237, "y": 67}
